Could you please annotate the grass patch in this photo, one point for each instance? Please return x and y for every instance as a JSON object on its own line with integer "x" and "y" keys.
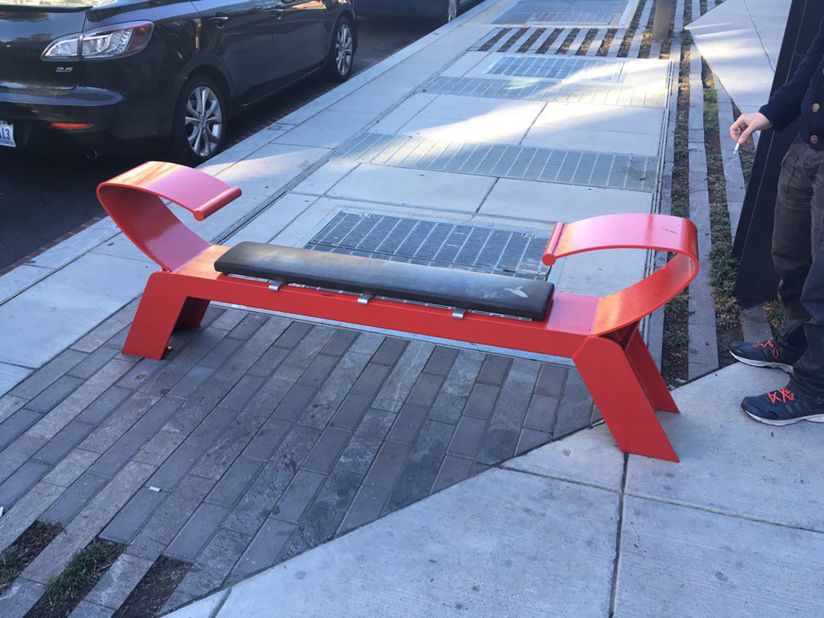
{"x": 623, "y": 51}
{"x": 81, "y": 574}
{"x": 564, "y": 48}
{"x": 675, "y": 359}
{"x": 609, "y": 37}
{"x": 775, "y": 314}
{"x": 17, "y": 556}
{"x": 154, "y": 589}
{"x": 544, "y": 48}
{"x": 587, "y": 42}
{"x": 646, "y": 38}
{"x": 724, "y": 267}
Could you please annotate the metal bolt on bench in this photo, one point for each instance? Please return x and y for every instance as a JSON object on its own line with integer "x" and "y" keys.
{"x": 600, "y": 334}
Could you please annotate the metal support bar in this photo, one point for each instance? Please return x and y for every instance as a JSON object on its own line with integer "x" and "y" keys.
{"x": 664, "y": 12}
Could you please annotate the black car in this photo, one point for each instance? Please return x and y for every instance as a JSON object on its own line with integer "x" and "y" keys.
{"x": 127, "y": 75}
{"x": 441, "y": 11}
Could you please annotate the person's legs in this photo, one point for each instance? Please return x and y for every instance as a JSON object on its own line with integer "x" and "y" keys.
{"x": 792, "y": 260}
{"x": 798, "y": 251}
{"x": 791, "y": 244}
{"x": 809, "y": 370}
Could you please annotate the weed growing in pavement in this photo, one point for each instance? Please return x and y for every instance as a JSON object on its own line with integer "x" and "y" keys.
{"x": 587, "y": 42}
{"x": 675, "y": 358}
{"x": 573, "y": 34}
{"x": 609, "y": 37}
{"x": 723, "y": 266}
{"x": 623, "y": 51}
{"x": 81, "y": 574}
{"x": 17, "y": 556}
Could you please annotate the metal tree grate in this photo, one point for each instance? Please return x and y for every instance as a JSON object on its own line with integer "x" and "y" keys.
{"x": 565, "y": 12}
{"x": 531, "y": 89}
{"x": 435, "y": 243}
{"x": 589, "y": 169}
{"x": 556, "y": 68}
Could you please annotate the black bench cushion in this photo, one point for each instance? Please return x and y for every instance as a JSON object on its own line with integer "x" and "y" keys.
{"x": 523, "y": 298}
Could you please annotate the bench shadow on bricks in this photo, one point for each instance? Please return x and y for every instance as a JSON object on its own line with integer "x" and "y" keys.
{"x": 260, "y": 437}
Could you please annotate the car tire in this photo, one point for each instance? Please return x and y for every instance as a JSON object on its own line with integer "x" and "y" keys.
{"x": 448, "y": 12}
{"x": 342, "y": 53}
{"x": 199, "y": 128}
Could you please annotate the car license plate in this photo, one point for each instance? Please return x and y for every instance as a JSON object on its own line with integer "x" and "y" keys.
{"x": 7, "y": 134}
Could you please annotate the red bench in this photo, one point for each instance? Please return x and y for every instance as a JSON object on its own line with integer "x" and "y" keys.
{"x": 600, "y": 334}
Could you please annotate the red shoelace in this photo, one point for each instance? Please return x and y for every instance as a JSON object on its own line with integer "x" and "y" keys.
{"x": 782, "y": 395}
{"x": 769, "y": 343}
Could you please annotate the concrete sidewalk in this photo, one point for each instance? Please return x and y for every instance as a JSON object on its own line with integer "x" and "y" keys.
{"x": 741, "y": 41}
{"x": 445, "y": 98}
{"x": 576, "y": 529}
{"x": 261, "y": 438}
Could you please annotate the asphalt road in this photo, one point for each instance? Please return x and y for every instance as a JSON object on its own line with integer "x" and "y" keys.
{"x": 43, "y": 199}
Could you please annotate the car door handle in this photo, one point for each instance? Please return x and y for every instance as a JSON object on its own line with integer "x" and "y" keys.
{"x": 219, "y": 20}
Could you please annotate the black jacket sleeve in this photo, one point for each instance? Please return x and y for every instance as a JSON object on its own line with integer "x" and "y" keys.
{"x": 785, "y": 103}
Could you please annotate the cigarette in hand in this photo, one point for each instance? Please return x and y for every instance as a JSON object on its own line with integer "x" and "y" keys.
{"x": 737, "y": 148}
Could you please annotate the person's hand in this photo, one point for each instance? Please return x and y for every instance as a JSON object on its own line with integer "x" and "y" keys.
{"x": 742, "y": 129}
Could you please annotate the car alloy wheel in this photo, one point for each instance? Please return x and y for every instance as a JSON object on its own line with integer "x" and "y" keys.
{"x": 203, "y": 121}
{"x": 344, "y": 49}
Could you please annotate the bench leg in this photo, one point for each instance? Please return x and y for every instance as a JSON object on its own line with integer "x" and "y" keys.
{"x": 608, "y": 370}
{"x": 649, "y": 374}
{"x": 160, "y": 310}
{"x": 192, "y": 313}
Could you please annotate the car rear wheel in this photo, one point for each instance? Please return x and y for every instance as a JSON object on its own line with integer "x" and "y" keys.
{"x": 200, "y": 121}
{"x": 342, "y": 54}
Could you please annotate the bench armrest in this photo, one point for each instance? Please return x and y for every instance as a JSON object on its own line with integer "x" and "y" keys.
{"x": 632, "y": 231}
{"x": 135, "y": 201}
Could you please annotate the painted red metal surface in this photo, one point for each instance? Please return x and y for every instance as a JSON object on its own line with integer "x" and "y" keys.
{"x": 600, "y": 334}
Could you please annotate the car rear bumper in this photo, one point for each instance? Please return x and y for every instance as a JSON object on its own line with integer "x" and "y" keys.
{"x": 104, "y": 120}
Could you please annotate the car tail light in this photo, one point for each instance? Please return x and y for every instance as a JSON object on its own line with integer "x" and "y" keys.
{"x": 71, "y": 125}
{"x": 113, "y": 41}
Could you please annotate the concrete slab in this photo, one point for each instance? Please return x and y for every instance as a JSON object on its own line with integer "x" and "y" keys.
{"x": 466, "y": 63}
{"x": 600, "y": 272}
{"x": 205, "y": 608}
{"x": 678, "y": 561}
{"x": 741, "y": 41}
{"x": 48, "y": 318}
{"x": 326, "y": 177}
{"x": 273, "y": 220}
{"x": 588, "y": 457}
{"x": 437, "y": 190}
{"x": 11, "y": 376}
{"x": 499, "y": 544}
{"x": 473, "y": 119}
{"x": 77, "y": 245}
{"x": 403, "y": 113}
{"x": 732, "y": 464}
{"x": 270, "y": 168}
{"x": 598, "y": 128}
{"x": 328, "y": 129}
{"x": 17, "y": 280}
{"x": 122, "y": 247}
{"x": 645, "y": 73}
{"x": 544, "y": 201}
